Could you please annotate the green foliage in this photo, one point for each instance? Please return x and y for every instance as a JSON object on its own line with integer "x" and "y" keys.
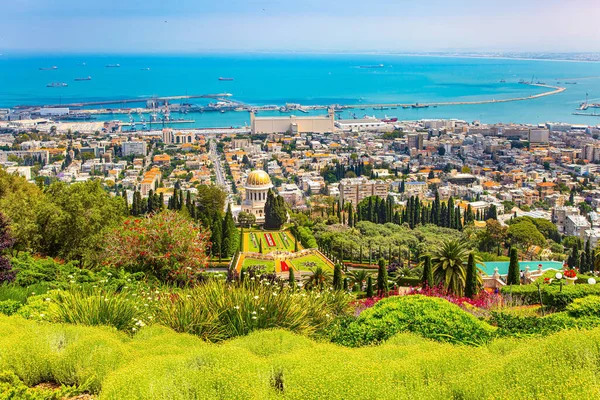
{"x": 305, "y": 236}
{"x": 472, "y": 286}
{"x": 448, "y": 262}
{"x": 9, "y": 307}
{"x": 429, "y": 317}
{"x": 588, "y": 306}
{"x": 518, "y": 326}
{"x": 552, "y": 295}
{"x": 30, "y": 270}
{"x": 427, "y": 278}
{"x": 337, "y": 277}
{"x": 525, "y": 234}
{"x": 513, "y": 277}
{"x": 275, "y": 211}
{"x": 218, "y": 311}
{"x": 11, "y": 387}
{"x": 382, "y": 278}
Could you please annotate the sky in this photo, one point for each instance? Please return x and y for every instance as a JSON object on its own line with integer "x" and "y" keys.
{"x": 189, "y": 26}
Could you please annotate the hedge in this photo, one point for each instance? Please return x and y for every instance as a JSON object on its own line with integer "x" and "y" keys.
{"x": 430, "y": 317}
{"x": 409, "y": 281}
{"x": 552, "y": 295}
{"x": 515, "y": 325}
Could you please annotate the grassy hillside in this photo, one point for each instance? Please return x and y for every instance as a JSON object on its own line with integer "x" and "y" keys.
{"x": 160, "y": 364}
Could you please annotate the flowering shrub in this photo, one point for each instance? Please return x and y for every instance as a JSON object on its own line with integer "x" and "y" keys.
{"x": 167, "y": 246}
{"x": 570, "y": 273}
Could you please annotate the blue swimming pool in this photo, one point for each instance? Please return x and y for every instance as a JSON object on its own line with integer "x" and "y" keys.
{"x": 502, "y": 266}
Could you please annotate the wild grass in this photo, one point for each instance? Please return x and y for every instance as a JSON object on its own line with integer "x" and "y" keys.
{"x": 159, "y": 364}
{"x": 21, "y": 293}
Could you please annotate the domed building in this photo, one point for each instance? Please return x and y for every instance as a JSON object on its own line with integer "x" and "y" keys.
{"x": 257, "y": 186}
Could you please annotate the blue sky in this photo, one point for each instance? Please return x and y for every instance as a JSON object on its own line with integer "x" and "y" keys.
{"x": 306, "y": 25}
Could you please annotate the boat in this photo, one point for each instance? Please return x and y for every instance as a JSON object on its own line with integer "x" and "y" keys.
{"x": 225, "y": 79}
{"x": 417, "y": 105}
{"x": 113, "y": 65}
{"x": 57, "y": 84}
{"x": 405, "y": 106}
{"x": 371, "y": 66}
{"x": 145, "y": 69}
{"x": 389, "y": 119}
{"x": 89, "y": 78}
{"x": 502, "y": 81}
{"x": 380, "y": 108}
{"x": 48, "y": 69}
{"x": 570, "y": 83}
{"x": 540, "y": 83}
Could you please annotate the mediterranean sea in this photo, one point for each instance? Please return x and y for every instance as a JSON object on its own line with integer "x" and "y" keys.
{"x": 311, "y": 79}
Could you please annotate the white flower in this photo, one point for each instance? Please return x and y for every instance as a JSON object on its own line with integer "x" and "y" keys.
{"x": 188, "y": 296}
{"x": 128, "y": 280}
{"x": 109, "y": 274}
{"x": 72, "y": 281}
{"x": 237, "y": 307}
{"x": 48, "y": 299}
{"x": 253, "y": 312}
{"x": 156, "y": 291}
{"x": 145, "y": 305}
{"x": 42, "y": 315}
{"x": 70, "y": 276}
{"x": 262, "y": 309}
{"x": 274, "y": 294}
{"x": 327, "y": 315}
{"x": 133, "y": 329}
{"x": 253, "y": 317}
{"x": 255, "y": 297}
{"x": 252, "y": 278}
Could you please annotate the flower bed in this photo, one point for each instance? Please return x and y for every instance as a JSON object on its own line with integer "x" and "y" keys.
{"x": 269, "y": 239}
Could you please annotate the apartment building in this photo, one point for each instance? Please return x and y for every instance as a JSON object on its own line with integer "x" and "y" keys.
{"x": 353, "y": 190}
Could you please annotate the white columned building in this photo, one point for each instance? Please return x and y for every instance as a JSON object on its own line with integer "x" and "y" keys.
{"x": 257, "y": 186}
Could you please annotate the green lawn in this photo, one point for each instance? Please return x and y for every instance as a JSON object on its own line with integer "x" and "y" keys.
{"x": 269, "y": 264}
{"x": 298, "y": 263}
{"x": 277, "y": 238}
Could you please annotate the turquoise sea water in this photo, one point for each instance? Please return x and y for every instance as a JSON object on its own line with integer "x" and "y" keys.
{"x": 261, "y": 79}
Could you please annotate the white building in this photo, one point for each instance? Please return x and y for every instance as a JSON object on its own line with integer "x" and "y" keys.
{"x": 576, "y": 225}
{"x": 257, "y": 186}
{"x": 137, "y": 148}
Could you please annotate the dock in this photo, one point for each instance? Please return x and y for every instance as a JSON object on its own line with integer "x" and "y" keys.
{"x": 173, "y": 122}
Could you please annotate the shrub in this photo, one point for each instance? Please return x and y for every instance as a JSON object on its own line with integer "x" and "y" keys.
{"x": 217, "y": 310}
{"x": 305, "y": 236}
{"x": 585, "y": 307}
{"x": 20, "y": 294}
{"x": 515, "y": 325}
{"x": 167, "y": 246}
{"x": 9, "y": 307}
{"x": 552, "y": 295}
{"x": 429, "y": 317}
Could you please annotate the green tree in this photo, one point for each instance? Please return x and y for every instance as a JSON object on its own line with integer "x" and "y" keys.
{"x": 210, "y": 202}
{"x": 448, "y": 262}
{"x": 216, "y": 237}
{"x": 275, "y": 211}
{"x": 472, "y": 285}
{"x": 427, "y": 278}
{"x": 230, "y": 234}
{"x": 370, "y": 293}
{"x": 382, "y": 278}
{"x": 337, "y": 277}
{"x": 513, "y": 277}
{"x": 292, "y": 278}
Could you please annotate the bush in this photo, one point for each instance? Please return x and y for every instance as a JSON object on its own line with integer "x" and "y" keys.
{"x": 409, "y": 281}
{"x": 217, "y": 310}
{"x": 9, "y": 307}
{"x": 305, "y": 237}
{"x": 432, "y": 318}
{"x": 515, "y": 325}
{"x": 585, "y": 307}
{"x": 552, "y": 295}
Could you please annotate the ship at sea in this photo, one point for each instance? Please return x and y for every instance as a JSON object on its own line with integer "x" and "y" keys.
{"x": 225, "y": 79}
{"x": 57, "y": 84}
{"x": 48, "y": 69}
{"x": 389, "y": 119}
{"x": 113, "y": 65}
{"x": 88, "y": 78}
{"x": 371, "y": 66}
{"x": 417, "y": 105}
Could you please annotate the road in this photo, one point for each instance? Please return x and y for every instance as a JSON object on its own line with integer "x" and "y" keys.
{"x": 219, "y": 173}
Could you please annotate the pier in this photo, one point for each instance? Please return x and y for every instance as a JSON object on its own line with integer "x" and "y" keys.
{"x": 138, "y": 100}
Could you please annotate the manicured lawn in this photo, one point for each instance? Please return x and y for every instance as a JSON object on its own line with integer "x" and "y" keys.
{"x": 269, "y": 264}
{"x": 299, "y": 263}
{"x": 277, "y": 239}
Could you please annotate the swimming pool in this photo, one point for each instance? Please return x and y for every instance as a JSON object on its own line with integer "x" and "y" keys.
{"x": 488, "y": 267}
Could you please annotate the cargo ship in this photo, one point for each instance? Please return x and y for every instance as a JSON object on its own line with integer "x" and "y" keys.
{"x": 371, "y": 66}
{"x": 48, "y": 69}
{"x": 89, "y": 78}
{"x": 225, "y": 79}
{"x": 390, "y": 119}
{"x": 113, "y": 65}
{"x": 57, "y": 84}
{"x": 417, "y": 105}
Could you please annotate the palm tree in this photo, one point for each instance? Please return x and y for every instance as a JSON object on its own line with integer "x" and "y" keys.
{"x": 318, "y": 279}
{"x": 359, "y": 277}
{"x": 449, "y": 265}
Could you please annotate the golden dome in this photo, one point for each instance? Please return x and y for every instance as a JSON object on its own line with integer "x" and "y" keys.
{"x": 258, "y": 178}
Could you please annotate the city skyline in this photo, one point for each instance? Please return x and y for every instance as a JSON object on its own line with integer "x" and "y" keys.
{"x": 351, "y": 26}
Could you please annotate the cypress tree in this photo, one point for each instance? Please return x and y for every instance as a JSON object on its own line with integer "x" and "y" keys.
{"x": 382, "y": 278}
{"x": 161, "y": 202}
{"x": 450, "y": 218}
{"x": 345, "y": 284}
{"x": 229, "y": 233}
{"x": 337, "y": 277}
{"x": 292, "y": 278}
{"x": 260, "y": 249}
{"x": 217, "y": 237}
{"x": 513, "y": 277}
{"x": 471, "y": 285}
{"x": 370, "y": 287}
{"x": 427, "y": 278}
